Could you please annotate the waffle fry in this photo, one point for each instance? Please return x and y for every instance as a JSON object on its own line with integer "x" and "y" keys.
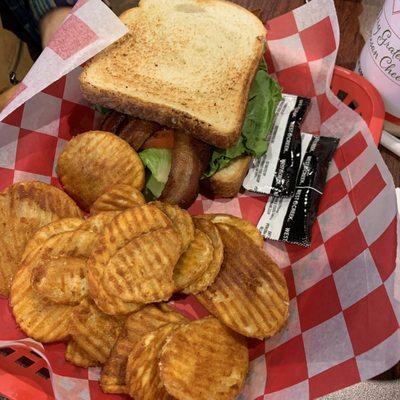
{"x": 39, "y": 317}
{"x": 142, "y": 373}
{"x": 194, "y": 261}
{"x": 94, "y": 332}
{"x": 181, "y": 221}
{"x": 215, "y": 370}
{"x": 124, "y": 228}
{"x": 62, "y": 280}
{"x": 75, "y": 355}
{"x": 141, "y": 272}
{"x": 25, "y": 207}
{"x": 250, "y": 294}
{"x": 136, "y": 325}
{"x": 245, "y": 226}
{"x": 118, "y": 198}
{"x": 46, "y": 232}
{"x": 93, "y": 162}
{"x": 211, "y": 272}
{"x": 97, "y": 223}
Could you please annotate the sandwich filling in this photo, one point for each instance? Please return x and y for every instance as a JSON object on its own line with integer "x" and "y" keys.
{"x": 264, "y": 96}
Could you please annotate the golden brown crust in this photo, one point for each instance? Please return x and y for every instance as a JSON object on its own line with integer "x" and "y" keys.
{"x": 164, "y": 115}
{"x": 93, "y": 331}
{"x": 245, "y": 226}
{"x": 40, "y": 318}
{"x": 207, "y": 115}
{"x": 24, "y": 208}
{"x": 142, "y": 372}
{"x": 208, "y": 277}
{"x": 250, "y": 294}
{"x": 118, "y": 198}
{"x": 181, "y": 221}
{"x": 137, "y": 325}
{"x": 194, "y": 261}
{"x": 204, "y": 360}
{"x": 93, "y": 162}
{"x": 123, "y": 229}
{"x": 75, "y": 355}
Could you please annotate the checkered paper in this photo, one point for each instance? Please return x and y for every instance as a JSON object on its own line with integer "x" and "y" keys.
{"x": 344, "y": 289}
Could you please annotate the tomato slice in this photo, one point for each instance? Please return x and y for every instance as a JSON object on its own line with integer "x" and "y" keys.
{"x": 162, "y": 139}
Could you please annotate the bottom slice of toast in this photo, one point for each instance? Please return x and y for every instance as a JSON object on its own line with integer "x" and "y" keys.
{"x": 228, "y": 181}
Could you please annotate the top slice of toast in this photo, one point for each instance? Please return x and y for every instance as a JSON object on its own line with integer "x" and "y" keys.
{"x": 186, "y": 64}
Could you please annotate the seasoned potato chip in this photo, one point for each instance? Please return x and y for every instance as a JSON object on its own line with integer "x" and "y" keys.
{"x": 142, "y": 373}
{"x": 124, "y": 228}
{"x": 151, "y": 318}
{"x": 39, "y": 317}
{"x": 93, "y": 162}
{"x": 46, "y": 232}
{"x": 96, "y": 223}
{"x": 108, "y": 304}
{"x": 181, "y": 221}
{"x": 250, "y": 294}
{"x": 61, "y": 280}
{"x": 26, "y": 207}
{"x": 194, "y": 261}
{"x": 75, "y": 355}
{"x": 141, "y": 271}
{"x": 118, "y": 198}
{"x": 245, "y": 226}
{"x": 137, "y": 325}
{"x": 208, "y": 277}
{"x": 93, "y": 331}
{"x": 204, "y": 360}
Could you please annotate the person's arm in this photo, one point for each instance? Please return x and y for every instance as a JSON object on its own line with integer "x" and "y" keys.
{"x": 50, "y": 22}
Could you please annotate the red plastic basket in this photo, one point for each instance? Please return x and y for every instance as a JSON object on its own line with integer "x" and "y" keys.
{"x": 25, "y": 375}
{"x": 359, "y": 94}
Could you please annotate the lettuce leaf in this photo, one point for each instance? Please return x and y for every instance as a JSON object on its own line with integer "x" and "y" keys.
{"x": 264, "y": 96}
{"x": 158, "y": 161}
{"x": 102, "y": 110}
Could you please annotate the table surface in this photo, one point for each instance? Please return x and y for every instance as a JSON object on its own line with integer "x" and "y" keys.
{"x": 351, "y": 43}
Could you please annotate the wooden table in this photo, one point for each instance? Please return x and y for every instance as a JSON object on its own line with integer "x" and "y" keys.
{"x": 351, "y": 43}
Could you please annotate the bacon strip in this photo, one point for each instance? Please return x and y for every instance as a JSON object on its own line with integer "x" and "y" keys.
{"x": 136, "y": 131}
{"x": 189, "y": 156}
{"x": 112, "y": 121}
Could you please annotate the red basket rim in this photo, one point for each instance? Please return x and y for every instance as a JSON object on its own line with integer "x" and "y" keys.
{"x": 378, "y": 108}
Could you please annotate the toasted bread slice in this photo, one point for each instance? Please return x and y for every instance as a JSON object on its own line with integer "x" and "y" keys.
{"x": 228, "y": 181}
{"x": 186, "y": 64}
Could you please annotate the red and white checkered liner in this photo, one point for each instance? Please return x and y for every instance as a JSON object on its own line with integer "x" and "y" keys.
{"x": 345, "y": 311}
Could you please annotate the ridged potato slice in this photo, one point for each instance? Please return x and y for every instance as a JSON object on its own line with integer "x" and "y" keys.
{"x": 245, "y": 226}
{"x": 181, "y": 221}
{"x": 125, "y": 227}
{"x": 118, "y": 198}
{"x": 142, "y": 372}
{"x": 250, "y": 294}
{"x": 194, "y": 261}
{"x": 46, "y": 232}
{"x": 25, "y": 208}
{"x": 137, "y": 325}
{"x": 93, "y": 331}
{"x": 39, "y": 317}
{"x": 75, "y": 355}
{"x": 211, "y": 272}
{"x": 141, "y": 271}
{"x": 93, "y": 162}
{"x": 204, "y": 360}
